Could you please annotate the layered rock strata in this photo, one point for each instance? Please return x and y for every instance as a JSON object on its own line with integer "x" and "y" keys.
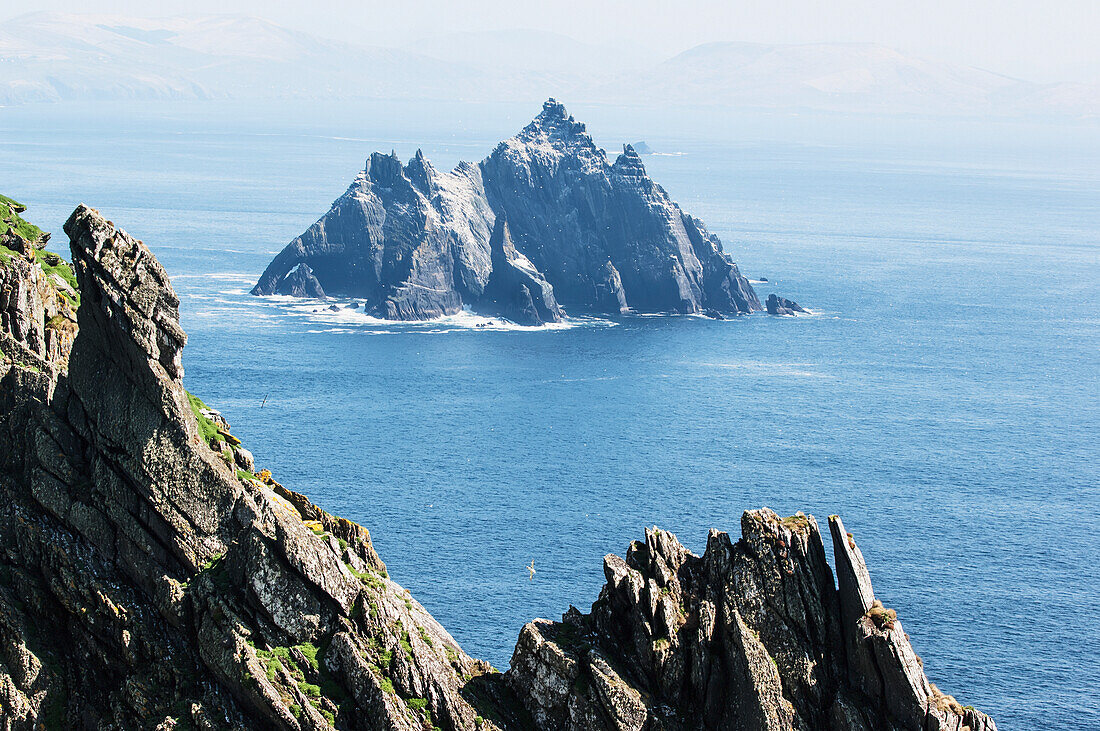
{"x": 147, "y": 580}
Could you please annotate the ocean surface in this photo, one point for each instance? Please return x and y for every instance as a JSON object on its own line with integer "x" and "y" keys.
{"x": 944, "y": 397}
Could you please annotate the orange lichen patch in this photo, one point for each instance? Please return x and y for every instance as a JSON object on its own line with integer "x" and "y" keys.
{"x": 851, "y": 541}
{"x": 285, "y": 504}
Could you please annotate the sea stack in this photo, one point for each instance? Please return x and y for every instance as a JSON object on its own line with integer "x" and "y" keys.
{"x": 777, "y": 305}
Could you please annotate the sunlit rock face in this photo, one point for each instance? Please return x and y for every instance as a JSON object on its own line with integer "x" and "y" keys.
{"x": 150, "y": 577}
{"x": 598, "y": 236}
{"x": 753, "y": 634}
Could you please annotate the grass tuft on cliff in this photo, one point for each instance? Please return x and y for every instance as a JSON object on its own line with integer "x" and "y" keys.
{"x": 11, "y": 220}
{"x": 207, "y": 429}
{"x": 51, "y": 263}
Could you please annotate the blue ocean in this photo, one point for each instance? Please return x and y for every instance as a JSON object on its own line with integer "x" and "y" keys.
{"x": 943, "y": 397}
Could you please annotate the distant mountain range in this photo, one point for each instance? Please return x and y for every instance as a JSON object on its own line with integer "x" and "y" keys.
{"x": 59, "y": 57}
{"x": 843, "y": 77}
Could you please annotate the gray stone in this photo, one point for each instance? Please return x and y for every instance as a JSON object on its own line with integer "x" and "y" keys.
{"x": 752, "y": 642}
{"x": 777, "y": 305}
{"x": 165, "y": 587}
{"x": 244, "y": 459}
{"x": 415, "y": 243}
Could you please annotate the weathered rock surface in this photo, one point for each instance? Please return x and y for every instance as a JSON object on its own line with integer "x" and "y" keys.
{"x": 597, "y": 236}
{"x": 147, "y": 581}
{"x": 149, "y": 578}
{"x": 300, "y": 282}
{"x": 37, "y": 309}
{"x": 777, "y": 305}
{"x": 515, "y": 289}
{"x": 754, "y": 634}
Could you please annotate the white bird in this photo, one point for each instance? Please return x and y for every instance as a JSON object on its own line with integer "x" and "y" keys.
{"x": 531, "y": 570}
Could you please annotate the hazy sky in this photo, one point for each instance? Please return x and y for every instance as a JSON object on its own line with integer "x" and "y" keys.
{"x": 1041, "y": 40}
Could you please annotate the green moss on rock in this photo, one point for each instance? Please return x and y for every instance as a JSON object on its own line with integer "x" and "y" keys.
{"x": 10, "y": 220}
{"x": 208, "y": 430}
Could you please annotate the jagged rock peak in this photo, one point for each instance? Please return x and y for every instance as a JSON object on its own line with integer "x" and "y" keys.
{"x": 554, "y": 128}
{"x": 385, "y": 170}
{"x": 415, "y": 243}
{"x": 420, "y": 172}
{"x": 151, "y": 578}
{"x": 554, "y": 116}
{"x": 117, "y": 272}
{"x": 754, "y": 634}
{"x": 149, "y": 581}
{"x": 629, "y": 164}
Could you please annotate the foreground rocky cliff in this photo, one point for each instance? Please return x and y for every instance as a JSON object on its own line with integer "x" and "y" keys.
{"x": 152, "y": 577}
{"x": 583, "y": 232}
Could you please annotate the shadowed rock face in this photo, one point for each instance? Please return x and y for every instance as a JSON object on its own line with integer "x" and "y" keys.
{"x": 149, "y": 578}
{"x": 515, "y": 289}
{"x": 777, "y": 305}
{"x": 754, "y": 634}
{"x": 146, "y": 580}
{"x": 300, "y": 282}
{"x": 599, "y": 236}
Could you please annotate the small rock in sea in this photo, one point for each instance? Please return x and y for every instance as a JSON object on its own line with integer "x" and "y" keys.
{"x": 714, "y": 315}
{"x": 782, "y": 306}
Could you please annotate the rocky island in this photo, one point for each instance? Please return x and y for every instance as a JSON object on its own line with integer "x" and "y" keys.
{"x": 777, "y": 305}
{"x": 543, "y": 223}
{"x": 151, "y": 577}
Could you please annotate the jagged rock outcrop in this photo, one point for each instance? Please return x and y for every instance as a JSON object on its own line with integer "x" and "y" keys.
{"x": 751, "y": 635}
{"x": 777, "y": 305}
{"x": 408, "y": 240}
{"x": 150, "y": 578}
{"x": 37, "y": 302}
{"x": 146, "y": 580}
{"x": 598, "y": 236}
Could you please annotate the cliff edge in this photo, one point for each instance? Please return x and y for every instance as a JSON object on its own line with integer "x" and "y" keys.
{"x": 152, "y": 577}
